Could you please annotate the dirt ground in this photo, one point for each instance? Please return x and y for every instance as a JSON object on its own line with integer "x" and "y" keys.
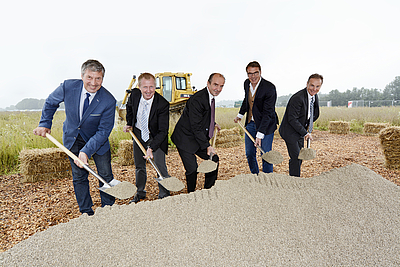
{"x": 32, "y": 207}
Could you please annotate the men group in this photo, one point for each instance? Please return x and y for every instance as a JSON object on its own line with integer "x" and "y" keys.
{"x": 90, "y": 109}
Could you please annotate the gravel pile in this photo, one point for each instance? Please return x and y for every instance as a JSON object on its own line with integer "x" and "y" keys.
{"x": 348, "y": 216}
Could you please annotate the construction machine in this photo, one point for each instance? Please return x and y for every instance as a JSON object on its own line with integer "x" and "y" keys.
{"x": 175, "y": 87}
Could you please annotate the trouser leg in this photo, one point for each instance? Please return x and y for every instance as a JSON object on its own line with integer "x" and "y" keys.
{"x": 159, "y": 160}
{"x": 140, "y": 167}
{"x": 103, "y": 165}
{"x": 250, "y": 148}
{"x": 266, "y": 145}
{"x": 80, "y": 180}
{"x": 294, "y": 150}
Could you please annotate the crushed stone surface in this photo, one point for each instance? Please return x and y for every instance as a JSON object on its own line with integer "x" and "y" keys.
{"x": 345, "y": 217}
{"x": 273, "y": 157}
{"x": 207, "y": 166}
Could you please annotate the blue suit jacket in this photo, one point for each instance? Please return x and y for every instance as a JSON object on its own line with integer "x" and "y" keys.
{"x": 96, "y": 124}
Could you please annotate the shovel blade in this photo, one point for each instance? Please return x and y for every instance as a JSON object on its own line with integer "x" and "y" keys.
{"x": 207, "y": 166}
{"x": 307, "y": 154}
{"x": 272, "y": 157}
{"x": 172, "y": 184}
{"x": 120, "y": 190}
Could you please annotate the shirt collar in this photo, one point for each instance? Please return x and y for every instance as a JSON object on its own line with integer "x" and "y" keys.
{"x": 210, "y": 96}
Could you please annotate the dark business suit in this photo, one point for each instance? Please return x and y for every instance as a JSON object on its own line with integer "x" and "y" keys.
{"x": 191, "y": 138}
{"x": 265, "y": 119}
{"x": 158, "y": 142}
{"x": 294, "y": 127}
{"x": 89, "y": 135}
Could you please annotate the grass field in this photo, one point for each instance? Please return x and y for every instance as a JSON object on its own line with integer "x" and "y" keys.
{"x": 16, "y": 128}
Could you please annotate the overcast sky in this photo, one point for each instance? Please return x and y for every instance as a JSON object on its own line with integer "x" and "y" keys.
{"x": 351, "y": 43}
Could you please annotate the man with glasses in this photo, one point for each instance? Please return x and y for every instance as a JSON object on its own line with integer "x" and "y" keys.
{"x": 261, "y": 118}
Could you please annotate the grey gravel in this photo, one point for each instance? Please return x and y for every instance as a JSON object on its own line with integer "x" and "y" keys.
{"x": 347, "y": 216}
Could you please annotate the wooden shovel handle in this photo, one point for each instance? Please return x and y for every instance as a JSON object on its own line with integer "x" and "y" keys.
{"x": 215, "y": 137}
{"x": 138, "y": 142}
{"x": 251, "y": 137}
{"x": 63, "y": 148}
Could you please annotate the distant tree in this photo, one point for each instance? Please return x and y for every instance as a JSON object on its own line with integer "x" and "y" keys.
{"x": 392, "y": 90}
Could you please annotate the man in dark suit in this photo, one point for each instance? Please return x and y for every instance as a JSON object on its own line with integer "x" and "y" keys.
{"x": 90, "y": 114}
{"x": 261, "y": 118}
{"x": 301, "y": 112}
{"x": 194, "y": 130}
{"x": 147, "y": 113}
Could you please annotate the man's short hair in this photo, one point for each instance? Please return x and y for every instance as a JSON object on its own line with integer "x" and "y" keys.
{"x": 253, "y": 64}
{"x": 213, "y": 74}
{"x": 147, "y": 76}
{"x": 316, "y": 76}
{"x": 93, "y": 65}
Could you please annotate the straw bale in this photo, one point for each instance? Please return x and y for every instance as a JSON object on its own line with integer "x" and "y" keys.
{"x": 339, "y": 127}
{"x": 43, "y": 164}
{"x": 125, "y": 153}
{"x": 390, "y": 142}
{"x": 371, "y": 128}
{"x": 228, "y": 138}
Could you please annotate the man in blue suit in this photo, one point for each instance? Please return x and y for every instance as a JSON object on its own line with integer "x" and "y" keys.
{"x": 90, "y": 114}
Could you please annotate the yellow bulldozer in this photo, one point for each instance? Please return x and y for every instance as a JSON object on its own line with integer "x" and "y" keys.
{"x": 174, "y": 87}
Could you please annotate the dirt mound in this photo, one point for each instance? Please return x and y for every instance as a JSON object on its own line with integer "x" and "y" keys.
{"x": 347, "y": 216}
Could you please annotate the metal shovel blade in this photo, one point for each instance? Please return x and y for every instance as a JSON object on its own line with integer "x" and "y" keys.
{"x": 307, "y": 153}
{"x": 171, "y": 183}
{"x": 121, "y": 190}
{"x": 207, "y": 166}
{"x": 272, "y": 157}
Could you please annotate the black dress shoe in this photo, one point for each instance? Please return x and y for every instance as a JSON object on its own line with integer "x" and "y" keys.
{"x": 136, "y": 199}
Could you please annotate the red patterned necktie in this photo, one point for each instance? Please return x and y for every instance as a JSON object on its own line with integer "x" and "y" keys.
{"x": 212, "y": 123}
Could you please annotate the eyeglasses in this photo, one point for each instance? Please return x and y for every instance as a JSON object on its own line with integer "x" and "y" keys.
{"x": 253, "y": 73}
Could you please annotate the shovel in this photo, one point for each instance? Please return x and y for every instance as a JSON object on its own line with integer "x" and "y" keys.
{"x": 169, "y": 183}
{"x": 209, "y": 165}
{"x": 272, "y": 157}
{"x": 307, "y": 153}
{"x": 115, "y": 188}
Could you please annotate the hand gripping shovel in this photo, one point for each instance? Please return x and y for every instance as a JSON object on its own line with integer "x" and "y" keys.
{"x": 208, "y": 165}
{"x": 272, "y": 157}
{"x": 115, "y": 188}
{"x": 307, "y": 153}
{"x": 169, "y": 183}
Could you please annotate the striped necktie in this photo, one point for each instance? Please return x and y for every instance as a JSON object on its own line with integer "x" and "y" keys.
{"x": 311, "y": 124}
{"x": 144, "y": 124}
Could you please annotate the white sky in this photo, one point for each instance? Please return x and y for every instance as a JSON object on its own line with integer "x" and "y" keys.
{"x": 351, "y": 43}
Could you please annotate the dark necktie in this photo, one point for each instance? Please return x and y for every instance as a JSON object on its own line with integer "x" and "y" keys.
{"x": 212, "y": 123}
{"x": 86, "y": 103}
{"x": 311, "y": 124}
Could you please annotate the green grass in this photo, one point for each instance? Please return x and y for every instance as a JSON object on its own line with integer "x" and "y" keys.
{"x": 16, "y": 128}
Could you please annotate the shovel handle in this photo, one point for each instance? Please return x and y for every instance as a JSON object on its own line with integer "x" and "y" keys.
{"x": 251, "y": 137}
{"x": 145, "y": 152}
{"x": 215, "y": 137}
{"x": 308, "y": 142}
{"x": 74, "y": 157}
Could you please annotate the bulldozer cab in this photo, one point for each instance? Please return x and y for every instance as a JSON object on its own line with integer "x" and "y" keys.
{"x": 175, "y": 88}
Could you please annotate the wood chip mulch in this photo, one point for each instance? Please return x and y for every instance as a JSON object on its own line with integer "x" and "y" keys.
{"x": 27, "y": 208}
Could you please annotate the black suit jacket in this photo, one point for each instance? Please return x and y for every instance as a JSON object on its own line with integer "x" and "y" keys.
{"x": 191, "y": 131}
{"x": 158, "y": 118}
{"x": 264, "y": 113}
{"x": 294, "y": 123}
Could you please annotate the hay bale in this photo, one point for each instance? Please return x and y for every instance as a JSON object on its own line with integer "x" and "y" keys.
{"x": 371, "y": 128}
{"x": 390, "y": 142}
{"x": 339, "y": 127}
{"x": 229, "y": 138}
{"x": 125, "y": 153}
{"x": 43, "y": 164}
